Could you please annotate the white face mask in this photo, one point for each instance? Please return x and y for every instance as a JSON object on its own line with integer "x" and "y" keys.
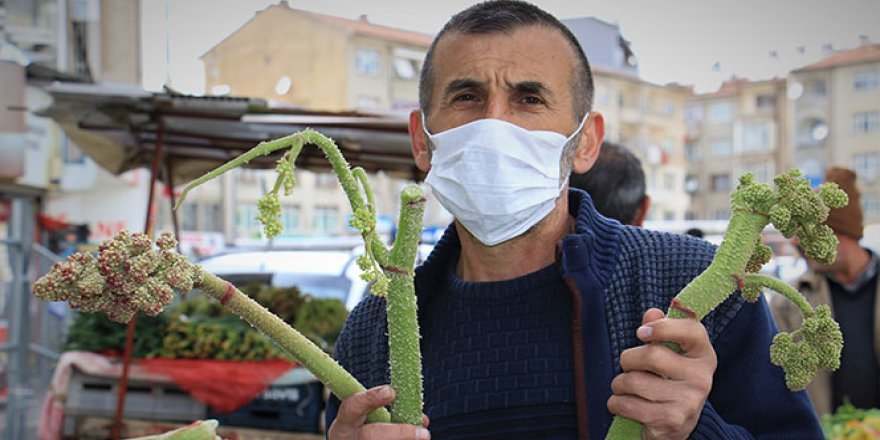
{"x": 497, "y": 178}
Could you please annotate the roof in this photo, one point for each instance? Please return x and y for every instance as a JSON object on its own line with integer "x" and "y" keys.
{"x": 866, "y": 53}
{"x": 357, "y": 27}
{"x": 121, "y": 127}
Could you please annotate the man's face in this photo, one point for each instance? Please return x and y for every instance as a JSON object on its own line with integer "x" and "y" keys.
{"x": 523, "y": 78}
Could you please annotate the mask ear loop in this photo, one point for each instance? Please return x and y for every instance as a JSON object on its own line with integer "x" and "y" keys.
{"x": 576, "y": 133}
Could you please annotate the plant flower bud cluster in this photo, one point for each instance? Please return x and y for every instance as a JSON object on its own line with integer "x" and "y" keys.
{"x": 129, "y": 275}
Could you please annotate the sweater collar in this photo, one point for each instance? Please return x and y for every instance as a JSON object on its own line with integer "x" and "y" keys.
{"x": 593, "y": 246}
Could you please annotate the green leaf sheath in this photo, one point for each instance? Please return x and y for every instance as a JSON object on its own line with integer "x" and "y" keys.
{"x": 337, "y": 380}
{"x": 403, "y": 326}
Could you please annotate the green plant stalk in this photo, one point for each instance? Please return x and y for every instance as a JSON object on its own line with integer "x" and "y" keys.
{"x": 330, "y": 373}
{"x": 707, "y": 290}
{"x": 403, "y": 326}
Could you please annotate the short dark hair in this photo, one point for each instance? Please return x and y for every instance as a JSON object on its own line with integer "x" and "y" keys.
{"x": 506, "y": 16}
{"x": 616, "y": 183}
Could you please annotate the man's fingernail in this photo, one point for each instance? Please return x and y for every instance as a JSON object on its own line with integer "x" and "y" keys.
{"x": 385, "y": 393}
{"x": 644, "y": 332}
{"x": 422, "y": 434}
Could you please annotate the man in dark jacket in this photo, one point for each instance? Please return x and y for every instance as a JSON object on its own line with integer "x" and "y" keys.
{"x": 533, "y": 308}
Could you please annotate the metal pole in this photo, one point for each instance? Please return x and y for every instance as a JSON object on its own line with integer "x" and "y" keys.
{"x": 129, "y": 338}
{"x": 21, "y": 229}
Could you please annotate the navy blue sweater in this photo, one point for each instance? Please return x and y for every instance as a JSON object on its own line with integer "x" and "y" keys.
{"x": 615, "y": 273}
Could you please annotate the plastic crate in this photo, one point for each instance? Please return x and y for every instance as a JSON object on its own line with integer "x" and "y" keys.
{"x": 96, "y": 396}
{"x": 291, "y": 408}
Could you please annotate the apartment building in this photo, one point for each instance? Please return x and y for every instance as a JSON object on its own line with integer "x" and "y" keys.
{"x": 318, "y": 62}
{"x": 739, "y": 128}
{"x": 835, "y": 119}
{"x": 649, "y": 120}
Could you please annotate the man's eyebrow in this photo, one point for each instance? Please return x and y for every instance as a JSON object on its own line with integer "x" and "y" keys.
{"x": 532, "y": 87}
{"x": 461, "y": 84}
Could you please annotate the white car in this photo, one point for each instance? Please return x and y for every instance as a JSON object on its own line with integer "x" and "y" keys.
{"x": 321, "y": 273}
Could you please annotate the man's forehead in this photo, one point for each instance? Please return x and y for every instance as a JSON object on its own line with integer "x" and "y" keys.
{"x": 460, "y": 55}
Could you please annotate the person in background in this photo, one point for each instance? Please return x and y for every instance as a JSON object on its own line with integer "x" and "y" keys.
{"x": 850, "y": 287}
{"x": 536, "y": 312}
{"x": 616, "y": 183}
{"x": 694, "y": 232}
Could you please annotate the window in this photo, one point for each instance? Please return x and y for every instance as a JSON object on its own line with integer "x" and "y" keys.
{"x": 326, "y": 219}
{"x": 720, "y": 112}
{"x": 691, "y": 184}
{"x": 367, "y": 62}
{"x": 367, "y": 102}
{"x": 668, "y": 215}
{"x": 722, "y": 214}
{"x": 865, "y": 81}
{"x": 290, "y": 219}
{"x": 871, "y": 204}
{"x": 722, "y": 147}
{"x": 692, "y": 152}
{"x": 72, "y": 153}
{"x": 246, "y": 223}
{"x": 866, "y": 165}
{"x": 720, "y": 182}
{"x": 188, "y": 217}
{"x": 668, "y": 107}
{"x": 405, "y": 68}
{"x": 212, "y": 219}
{"x": 669, "y": 181}
{"x": 865, "y": 122}
{"x": 693, "y": 114}
{"x": 325, "y": 180}
{"x": 816, "y": 89}
{"x": 765, "y": 101}
{"x": 763, "y": 171}
{"x": 756, "y": 136}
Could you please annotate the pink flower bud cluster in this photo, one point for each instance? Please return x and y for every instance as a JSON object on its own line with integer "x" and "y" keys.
{"x": 129, "y": 275}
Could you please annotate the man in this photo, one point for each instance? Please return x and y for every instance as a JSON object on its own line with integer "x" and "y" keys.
{"x": 533, "y": 308}
{"x": 850, "y": 287}
{"x": 616, "y": 184}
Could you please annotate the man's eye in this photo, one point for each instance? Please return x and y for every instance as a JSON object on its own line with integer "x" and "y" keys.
{"x": 532, "y": 100}
{"x": 466, "y": 97}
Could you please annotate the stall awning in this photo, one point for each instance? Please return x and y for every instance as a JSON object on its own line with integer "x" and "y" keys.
{"x": 120, "y": 126}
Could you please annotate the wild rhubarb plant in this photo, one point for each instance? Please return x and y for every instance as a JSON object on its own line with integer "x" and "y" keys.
{"x": 795, "y": 210}
{"x": 130, "y": 275}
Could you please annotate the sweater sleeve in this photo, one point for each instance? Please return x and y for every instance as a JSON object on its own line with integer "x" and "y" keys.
{"x": 749, "y": 398}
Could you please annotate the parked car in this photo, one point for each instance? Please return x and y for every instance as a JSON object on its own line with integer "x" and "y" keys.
{"x": 320, "y": 273}
{"x": 323, "y": 273}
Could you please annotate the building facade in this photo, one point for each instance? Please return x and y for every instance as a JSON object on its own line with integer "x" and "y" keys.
{"x": 835, "y": 119}
{"x": 649, "y": 120}
{"x": 738, "y": 129}
{"x": 318, "y": 62}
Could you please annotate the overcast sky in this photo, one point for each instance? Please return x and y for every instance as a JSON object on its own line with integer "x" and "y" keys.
{"x": 674, "y": 40}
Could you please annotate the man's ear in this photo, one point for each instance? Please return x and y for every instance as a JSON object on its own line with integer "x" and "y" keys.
{"x": 590, "y": 143}
{"x": 642, "y": 212}
{"x": 419, "y": 142}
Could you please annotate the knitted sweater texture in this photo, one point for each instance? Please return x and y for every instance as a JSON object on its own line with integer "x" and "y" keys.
{"x": 616, "y": 273}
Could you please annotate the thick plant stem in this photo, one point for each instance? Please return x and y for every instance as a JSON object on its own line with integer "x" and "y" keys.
{"x": 707, "y": 291}
{"x": 783, "y": 289}
{"x": 337, "y": 380}
{"x": 403, "y": 326}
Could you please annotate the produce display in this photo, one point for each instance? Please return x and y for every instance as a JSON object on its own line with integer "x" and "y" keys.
{"x": 851, "y": 423}
{"x": 201, "y": 328}
{"x": 130, "y": 275}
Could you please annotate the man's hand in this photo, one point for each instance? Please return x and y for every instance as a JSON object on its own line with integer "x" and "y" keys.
{"x": 664, "y": 390}
{"x": 349, "y": 422}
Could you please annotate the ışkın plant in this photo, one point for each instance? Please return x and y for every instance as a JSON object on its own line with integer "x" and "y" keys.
{"x": 795, "y": 210}
{"x": 129, "y": 275}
